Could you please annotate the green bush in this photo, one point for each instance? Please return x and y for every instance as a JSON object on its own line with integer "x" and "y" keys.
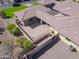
{"x": 27, "y": 45}
{"x": 24, "y": 43}
{"x": 14, "y": 30}
{"x": 20, "y": 40}
{"x": 11, "y": 26}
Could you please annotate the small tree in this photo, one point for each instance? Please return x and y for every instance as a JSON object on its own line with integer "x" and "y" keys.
{"x": 11, "y": 26}
{"x": 27, "y": 45}
{"x": 14, "y": 30}
{"x": 24, "y": 43}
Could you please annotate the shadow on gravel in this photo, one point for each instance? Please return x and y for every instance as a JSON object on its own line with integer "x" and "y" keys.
{"x": 1, "y": 31}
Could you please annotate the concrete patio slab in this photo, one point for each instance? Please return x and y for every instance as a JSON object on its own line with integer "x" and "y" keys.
{"x": 36, "y": 32}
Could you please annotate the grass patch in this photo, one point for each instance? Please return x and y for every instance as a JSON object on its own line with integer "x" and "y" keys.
{"x": 9, "y": 12}
{"x": 35, "y": 3}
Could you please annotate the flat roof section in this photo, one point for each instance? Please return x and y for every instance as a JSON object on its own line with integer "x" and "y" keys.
{"x": 66, "y": 25}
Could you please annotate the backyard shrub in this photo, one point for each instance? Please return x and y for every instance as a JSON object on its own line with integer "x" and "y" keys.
{"x": 11, "y": 26}
{"x": 24, "y": 43}
{"x": 14, "y": 30}
{"x": 27, "y": 45}
{"x": 20, "y": 40}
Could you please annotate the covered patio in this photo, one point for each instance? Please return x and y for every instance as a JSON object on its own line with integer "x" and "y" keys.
{"x": 36, "y": 29}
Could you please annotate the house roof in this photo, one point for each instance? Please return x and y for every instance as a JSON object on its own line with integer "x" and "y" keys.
{"x": 65, "y": 25}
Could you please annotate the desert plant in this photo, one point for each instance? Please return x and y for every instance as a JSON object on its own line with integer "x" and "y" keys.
{"x": 16, "y": 31}
{"x": 11, "y": 26}
{"x": 20, "y": 40}
{"x": 27, "y": 45}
